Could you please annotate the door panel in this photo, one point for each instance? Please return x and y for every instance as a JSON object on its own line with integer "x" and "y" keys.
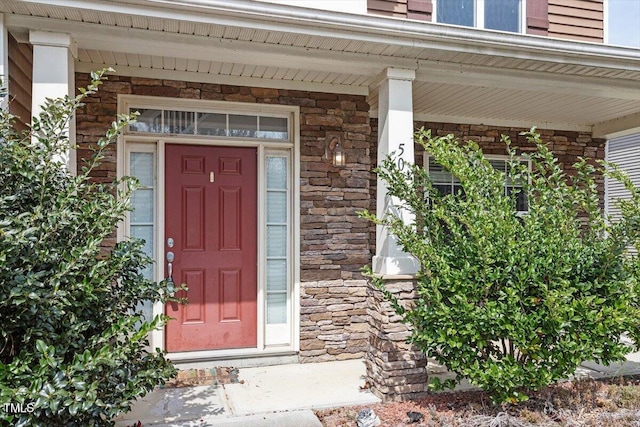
{"x": 211, "y": 213}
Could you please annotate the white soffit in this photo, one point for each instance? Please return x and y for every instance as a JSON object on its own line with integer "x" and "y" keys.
{"x": 461, "y": 74}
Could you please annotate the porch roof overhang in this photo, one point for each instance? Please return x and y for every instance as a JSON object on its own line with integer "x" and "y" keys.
{"x": 463, "y": 75}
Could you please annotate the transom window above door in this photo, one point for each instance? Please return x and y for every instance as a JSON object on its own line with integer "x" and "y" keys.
{"x": 209, "y": 123}
{"x": 502, "y": 15}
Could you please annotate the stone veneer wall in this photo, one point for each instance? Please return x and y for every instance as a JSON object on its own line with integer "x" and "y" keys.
{"x": 395, "y": 369}
{"x": 334, "y": 241}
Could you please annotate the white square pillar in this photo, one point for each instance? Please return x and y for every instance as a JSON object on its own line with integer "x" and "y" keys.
{"x": 4, "y": 62}
{"x": 395, "y": 134}
{"x": 53, "y": 76}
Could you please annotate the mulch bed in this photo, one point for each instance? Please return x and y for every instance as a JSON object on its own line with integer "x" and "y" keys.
{"x": 211, "y": 376}
{"x": 597, "y": 403}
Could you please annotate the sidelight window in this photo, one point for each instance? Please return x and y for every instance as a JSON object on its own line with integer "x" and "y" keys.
{"x": 277, "y": 239}
{"x": 141, "y": 165}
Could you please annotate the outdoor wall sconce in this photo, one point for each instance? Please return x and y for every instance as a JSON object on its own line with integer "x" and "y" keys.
{"x": 335, "y": 152}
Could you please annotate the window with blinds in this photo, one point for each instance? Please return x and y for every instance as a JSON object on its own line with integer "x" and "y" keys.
{"x": 142, "y": 217}
{"x": 446, "y": 183}
{"x": 277, "y": 235}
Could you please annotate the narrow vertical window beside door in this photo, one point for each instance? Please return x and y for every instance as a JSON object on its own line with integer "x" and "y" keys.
{"x": 277, "y": 244}
{"x": 141, "y": 219}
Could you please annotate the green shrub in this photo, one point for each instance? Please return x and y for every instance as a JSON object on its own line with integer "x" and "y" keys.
{"x": 73, "y": 342}
{"x": 514, "y": 302}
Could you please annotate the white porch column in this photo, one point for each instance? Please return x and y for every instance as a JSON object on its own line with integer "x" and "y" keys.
{"x": 395, "y": 134}
{"x": 53, "y": 76}
{"x": 4, "y": 62}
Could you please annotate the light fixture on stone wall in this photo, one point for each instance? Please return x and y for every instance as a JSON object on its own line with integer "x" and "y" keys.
{"x": 334, "y": 150}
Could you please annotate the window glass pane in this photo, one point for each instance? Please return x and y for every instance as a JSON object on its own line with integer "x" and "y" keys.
{"x": 243, "y": 126}
{"x": 212, "y": 124}
{"x": 276, "y": 173}
{"x": 521, "y": 198}
{"x": 276, "y": 308}
{"x": 623, "y": 20}
{"x": 499, "y": 165}
{"x": 180, "y": 122}
{"x": 142, "y": 204}
{"x": 148, "y": 121}
{"x": 437, "y": 172}
{"x": 457, "y": 12}
{"x": 444, "y": 189}
{"x": 502, "y": 15}
{"x": 274, "y": 128}
{"x": 277, "y": 241}
{"x": 277, "y": 207}
{"x": 276, "y": 275}
{"x": 142, "y": 168}
{"x": 145, "y": 232}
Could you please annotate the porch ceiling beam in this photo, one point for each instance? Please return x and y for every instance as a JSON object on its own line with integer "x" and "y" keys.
{"x": 617, "y": 127}
{"x": 283, "y": 18}
{"x": 534, "y": 81}
{"x": 138, "y": 41}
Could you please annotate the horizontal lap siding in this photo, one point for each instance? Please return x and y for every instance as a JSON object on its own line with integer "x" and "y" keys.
{"x": 581, "y": 20}
{"x": 20, "y": 81}
{"x": 395, "y": 8}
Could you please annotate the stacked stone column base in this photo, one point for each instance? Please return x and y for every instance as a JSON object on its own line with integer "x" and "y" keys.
{"x": 396, "y": 370}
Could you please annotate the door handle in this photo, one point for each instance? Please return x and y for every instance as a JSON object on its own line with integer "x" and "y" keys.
{"x": 170, "y": 257}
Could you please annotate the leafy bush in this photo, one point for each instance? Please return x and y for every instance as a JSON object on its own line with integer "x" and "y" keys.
{"x": 73, "y": 342}
{"x": 515, "y": 302}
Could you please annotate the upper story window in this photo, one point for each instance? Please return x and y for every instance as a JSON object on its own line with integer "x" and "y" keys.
{"x": 622, "y": 22}
{"x": 502, "y": 15}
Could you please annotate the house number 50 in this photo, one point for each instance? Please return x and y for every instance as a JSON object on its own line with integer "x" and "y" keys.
{"x": 400, "y": 159}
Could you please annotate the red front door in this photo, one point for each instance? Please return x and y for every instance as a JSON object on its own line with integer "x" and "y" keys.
{"x": 211, "y": 215}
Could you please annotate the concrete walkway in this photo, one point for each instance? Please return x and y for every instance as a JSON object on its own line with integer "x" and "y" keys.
{"x": 284, "y": 395}
{"x": 278, "y": 396}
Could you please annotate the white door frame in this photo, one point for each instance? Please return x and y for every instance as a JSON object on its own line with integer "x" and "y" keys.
{"x": 128, "y": 143}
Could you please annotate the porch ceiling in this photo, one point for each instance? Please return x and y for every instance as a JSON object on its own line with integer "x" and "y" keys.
{"x": 462, "y": 74}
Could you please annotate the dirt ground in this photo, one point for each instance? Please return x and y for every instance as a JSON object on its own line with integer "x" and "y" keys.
{"x": 584, "y": 403}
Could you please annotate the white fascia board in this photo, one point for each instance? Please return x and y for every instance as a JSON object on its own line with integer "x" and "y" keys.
{"x": 615, "y": 128}
{"x": 538, "y": 81}
{"x": 189, "y": 76}
{"x": 283, "y": 18}
{"x": 117, "y": 39}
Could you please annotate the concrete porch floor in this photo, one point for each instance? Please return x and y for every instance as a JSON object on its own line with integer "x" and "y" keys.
{"x": 284, "y": 395}
{"x": 278, "y": 396}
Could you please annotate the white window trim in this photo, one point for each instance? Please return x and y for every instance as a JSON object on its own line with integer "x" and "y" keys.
{"x": 425, "y": 165}
{"x": 156, "y": 143}
{"x": 478, "y": 15}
